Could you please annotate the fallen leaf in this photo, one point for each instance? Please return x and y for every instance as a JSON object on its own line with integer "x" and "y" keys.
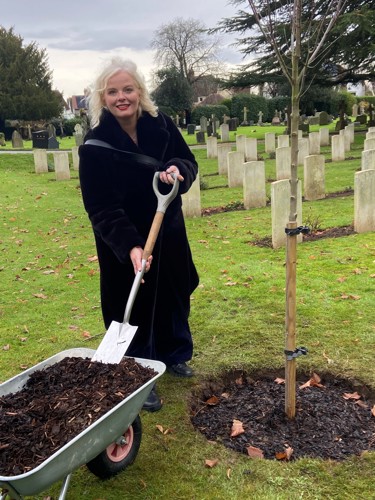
{"x": 254, "y": 452}
{"x": 86, "y": 334}
{"x": 92, "y": 258}
{"x": 329, "y": 360}
{"x": 351, "y": 395}
{"x": 211, "y": 463}
{"x": 229, "y": 472}
{"x": 279, "y": 380}
{"x": 284, "y": 455}
{"x": 373, "y": 410}
{"x": 225, "y": 395}
{"x": 40, "y": 296}
{"x": 239, "y": 381}
{"x": 237, "y": 428}
{"x": 212, "y": 401}
{"x": 6, "y": 347}
{"x": 160, "y": 428}
{"x": 362, "y": 404}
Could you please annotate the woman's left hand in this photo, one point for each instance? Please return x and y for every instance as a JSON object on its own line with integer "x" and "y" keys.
{"x": 166, "y": 176}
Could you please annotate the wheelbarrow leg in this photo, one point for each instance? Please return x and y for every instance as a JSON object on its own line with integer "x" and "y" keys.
{"x": 64, "y": 487}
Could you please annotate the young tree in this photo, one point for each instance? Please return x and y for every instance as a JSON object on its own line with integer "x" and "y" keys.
{"x": 295, "y": 63}
{"x": 186, "y": 45}
{"x": 25, "y": 81}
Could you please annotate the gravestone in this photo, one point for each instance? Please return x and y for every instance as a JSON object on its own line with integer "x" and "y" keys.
{"x": 276, "y": 118}
{"x": 260, "y": 119}
{"x": 235, "y": 169}
{"x": 314, "y": 177}
{"x": 324, "y": 136}
{"x": 40, "y": 161}
{"x": 191, "y": 129}
{"x": 245, "y": 122}
{"x": 61, "y": 162}
{"x": 270, "y": 145}
{"x": 254, "y": 184}
{"x": 191, "y": 200}
{"x": 368, "y": 144}
{"x": 251, "y": 149}
{"x": 212, "y": 147}
{"x": 283, "y": 163}
{"x": 53, "y": 143}
{"x": 209, "y": 130}
{"x": 40, "y": 139}
{"x": 364, "y": 201}
{"x": 368, "y": 159}
{"x": 323, "y": 118}
{"x": 370, "y": 135}
{"x": 362, "y": 119}
{"x": 222, "y": 158}
{"x": 200, "y": 136}
{"x": 355, "y": 110}
{"x": 241, "y": 144}
{"x": 280, "y": 208}
{"x": 232, "y": 125}
{"x": 224, "y": 132}
{"x": 75, "y": 158}
{"x": 344, "y": 134}
{"x": 78, "y": 134}
{"x": 338, "y": 148}
{"x": 282, "y": 141}
{"x": 2, "y": 139}
{"x": 303, "y": 150}
{"x": 17, "y": 142}
{"x": 203, "y": 124}
{"x": 314, "y": 143}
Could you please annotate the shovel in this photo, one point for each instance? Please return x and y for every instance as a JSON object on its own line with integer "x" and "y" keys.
{"x": 119, "y": 335}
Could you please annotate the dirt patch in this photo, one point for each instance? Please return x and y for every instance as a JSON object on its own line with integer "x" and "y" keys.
{"x": 57, "y": 404}
{"x": 334, "y": 419}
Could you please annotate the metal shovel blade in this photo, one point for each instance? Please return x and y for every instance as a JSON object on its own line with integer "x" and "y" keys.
{"x": 115, "y": 343}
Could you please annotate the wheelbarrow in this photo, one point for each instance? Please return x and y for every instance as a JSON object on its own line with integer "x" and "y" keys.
{"x": 107, "y": 446}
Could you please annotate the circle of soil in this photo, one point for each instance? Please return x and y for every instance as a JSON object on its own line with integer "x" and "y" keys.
{"x": 58, "y": 403}
{"x": 335, "y": 418}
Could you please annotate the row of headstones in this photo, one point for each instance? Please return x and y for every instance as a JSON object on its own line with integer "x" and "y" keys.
{"x": 251, "y": 176}
{"x": 48, "y": 136}
{"x": 60, "y": 160}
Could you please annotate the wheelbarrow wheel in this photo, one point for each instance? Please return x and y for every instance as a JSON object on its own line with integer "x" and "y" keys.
{"x": 117, "y": 456}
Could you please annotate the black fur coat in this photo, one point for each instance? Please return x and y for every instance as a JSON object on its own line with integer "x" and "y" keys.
{"x": 120, "y": 202}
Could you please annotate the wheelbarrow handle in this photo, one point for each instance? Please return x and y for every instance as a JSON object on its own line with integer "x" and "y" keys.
{"x": 164, "y": 201}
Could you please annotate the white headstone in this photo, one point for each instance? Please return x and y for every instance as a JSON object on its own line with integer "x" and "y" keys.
{"x": 236, "y": 161}
{"x": 346, "y": 136}
{"x": 212, "y": 147}
{"x": 368, "y": 159}
{"x": 75, "y": 157}
{"x": 324, "y": 136}
{"x": 40, "y": 161}
{"x": 314, "y": 143}
{"x": 303, "y": 150}
{"x": 364, "y": 201}
{"x": 338, "y": 148}
{"x": 61, "y": 162}
{"x": 283, "y": 163}
{"x": 254, "y": 184}
{"x": 282, "y": 141}
{"x": 222, "y": 158}
{"x": 314, "y": 177}
{"x": 191, "y": 201}
{"x": 251, "y": 149}
{"x": 241, "y": 143}
{"x": 270, "y": 145}
{"x": 224, "y": 132}
{"x": 369, "y": 144}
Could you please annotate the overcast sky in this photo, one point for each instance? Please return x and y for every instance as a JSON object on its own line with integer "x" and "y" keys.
{"x": 79, "y": 35}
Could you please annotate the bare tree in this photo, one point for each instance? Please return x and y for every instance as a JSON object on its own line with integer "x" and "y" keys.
{"x": 315, "y": 32}
{"x": 186, "y": 45}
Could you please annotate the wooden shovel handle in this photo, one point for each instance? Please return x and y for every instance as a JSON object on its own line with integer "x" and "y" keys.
{"x": 152, "y": 235}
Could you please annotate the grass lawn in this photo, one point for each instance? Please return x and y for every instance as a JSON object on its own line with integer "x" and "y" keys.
{"x": 50, "y": 302}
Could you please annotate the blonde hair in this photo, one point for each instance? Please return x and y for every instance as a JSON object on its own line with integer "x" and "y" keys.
{"x": 95, "y": 98}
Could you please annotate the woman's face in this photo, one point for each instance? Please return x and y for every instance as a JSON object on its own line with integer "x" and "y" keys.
{"x": 121, "y": 97}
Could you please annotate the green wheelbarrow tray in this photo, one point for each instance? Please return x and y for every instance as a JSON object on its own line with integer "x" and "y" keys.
{"x": 86, "y": 445}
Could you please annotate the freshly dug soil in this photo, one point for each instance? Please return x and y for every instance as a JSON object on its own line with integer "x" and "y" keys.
{"x": 333, "y": 419}
{"x": 58, "y": 403}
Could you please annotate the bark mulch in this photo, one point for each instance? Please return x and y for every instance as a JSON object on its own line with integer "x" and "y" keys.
{"x": 58, "y": 403}
{"x": 334, "y": 418}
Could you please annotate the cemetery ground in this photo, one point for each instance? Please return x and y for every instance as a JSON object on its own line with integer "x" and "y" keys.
{"x": 50, "y": 302}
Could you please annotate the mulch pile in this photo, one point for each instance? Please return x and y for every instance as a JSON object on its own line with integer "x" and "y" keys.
{"x": 58, "y": 403}
{"x": 334, "y": 420}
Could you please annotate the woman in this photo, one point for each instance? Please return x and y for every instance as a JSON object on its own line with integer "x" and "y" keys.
{"x": 120, "y": 202}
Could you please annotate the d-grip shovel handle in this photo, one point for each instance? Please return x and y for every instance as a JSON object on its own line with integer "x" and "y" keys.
{"x": 163, "y": 202}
